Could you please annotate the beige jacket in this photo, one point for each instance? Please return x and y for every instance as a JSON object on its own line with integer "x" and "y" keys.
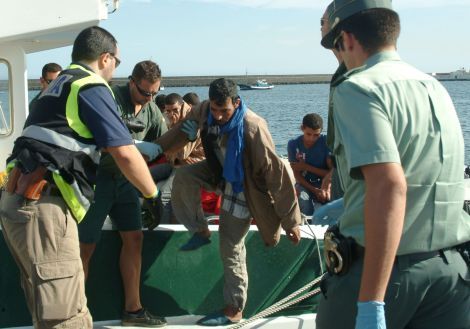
{"x": 191, "y": 152}
{"x": 268, "y": 188}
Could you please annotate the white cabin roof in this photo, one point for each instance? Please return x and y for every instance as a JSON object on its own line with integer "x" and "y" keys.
{"x": 39, "y": 25}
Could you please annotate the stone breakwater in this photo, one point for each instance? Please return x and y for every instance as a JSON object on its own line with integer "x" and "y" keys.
{"x": 193, "y": 81}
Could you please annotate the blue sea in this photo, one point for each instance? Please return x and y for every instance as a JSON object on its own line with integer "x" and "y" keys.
{"x": 284, "y": 107}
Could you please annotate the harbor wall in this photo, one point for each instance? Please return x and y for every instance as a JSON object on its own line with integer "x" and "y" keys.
{"x": 195, "y": 81}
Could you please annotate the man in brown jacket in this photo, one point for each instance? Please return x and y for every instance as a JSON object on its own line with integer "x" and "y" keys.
{"x": 176, "y": 109}
{"x": 241, "y": 163}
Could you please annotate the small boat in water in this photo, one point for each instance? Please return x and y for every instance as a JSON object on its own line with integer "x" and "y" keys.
{"x": 259, "y": 85}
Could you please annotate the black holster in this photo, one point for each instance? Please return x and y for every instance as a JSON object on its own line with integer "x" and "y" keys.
{"x": 339, "y": 251}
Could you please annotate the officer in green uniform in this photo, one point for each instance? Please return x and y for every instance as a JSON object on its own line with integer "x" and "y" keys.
{"x": 400, "y": 154}
{"x": 117, "y": 197}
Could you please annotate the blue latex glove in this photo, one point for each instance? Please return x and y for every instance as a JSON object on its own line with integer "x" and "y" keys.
{"x": 329, "y": 213}
{"x": 370, "y": 315}
{"x": 151, "y": 150}
{"x": 190, "y": 127}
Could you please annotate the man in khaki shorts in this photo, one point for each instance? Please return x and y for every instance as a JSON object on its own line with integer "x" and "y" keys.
{"x": 51, "y": 174}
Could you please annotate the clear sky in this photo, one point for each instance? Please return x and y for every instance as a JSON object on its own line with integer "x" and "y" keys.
{"x": 234, "y": 37}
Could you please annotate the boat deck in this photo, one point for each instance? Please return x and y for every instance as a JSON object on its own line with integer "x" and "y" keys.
{"x": 188, "y": 322}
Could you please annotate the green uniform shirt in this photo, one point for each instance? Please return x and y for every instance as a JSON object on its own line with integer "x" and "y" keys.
{"x": 388, "y": 112}
{"x": 149, "y": 115}
{"x": 336, "y": 79}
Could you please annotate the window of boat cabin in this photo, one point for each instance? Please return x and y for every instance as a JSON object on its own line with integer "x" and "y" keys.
{"x": 5, "y": 99}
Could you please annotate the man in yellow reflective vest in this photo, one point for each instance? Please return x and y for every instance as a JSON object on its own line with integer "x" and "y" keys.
{"x": 51, "y": 174}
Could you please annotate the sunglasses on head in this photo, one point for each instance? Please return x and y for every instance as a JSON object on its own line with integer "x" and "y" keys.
{"x": 143, "y": 92}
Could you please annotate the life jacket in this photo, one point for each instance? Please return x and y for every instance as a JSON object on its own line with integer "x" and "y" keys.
{"x": 55, "y": 137}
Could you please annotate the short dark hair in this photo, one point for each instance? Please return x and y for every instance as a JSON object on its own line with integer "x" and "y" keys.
{"x": 147, "y": 70}
{"x": 160, "y": 101}
{"x": 173, "y": 98}
{"x": 191, "y": 98}
{"x": 313, "y": 121}
{"x": 50, "y": 68}
{"x": 373, "y": 28}
{"x": 91, "y": 43}
{"x": 221, "y": 89}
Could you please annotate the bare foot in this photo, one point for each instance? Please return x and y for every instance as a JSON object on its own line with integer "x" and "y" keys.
{"x": 206, "y": 233}
{"x": 234, "y": 314}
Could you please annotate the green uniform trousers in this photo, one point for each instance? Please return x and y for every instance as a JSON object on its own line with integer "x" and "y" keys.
{"x": 433, "y": 293}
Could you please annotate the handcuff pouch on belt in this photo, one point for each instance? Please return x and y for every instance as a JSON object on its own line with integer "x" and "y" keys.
{"x": 338, "y": 251}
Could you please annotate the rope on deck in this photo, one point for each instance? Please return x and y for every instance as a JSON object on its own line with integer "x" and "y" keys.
{"x": 284, "y": 303}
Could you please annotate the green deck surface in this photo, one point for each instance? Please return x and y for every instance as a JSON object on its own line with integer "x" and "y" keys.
{"x": 174, "y": 282}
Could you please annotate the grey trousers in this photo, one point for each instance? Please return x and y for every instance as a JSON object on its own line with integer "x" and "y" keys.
{"x": 186, "y": 202}
{"x": 43, "y": 239}
{"x": 421, "y": 294}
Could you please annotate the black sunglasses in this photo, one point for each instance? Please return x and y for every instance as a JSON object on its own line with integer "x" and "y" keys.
{"x": 143, "y": 92}
{"x": 118, "y": 61}
{"x": 338, "y": 42}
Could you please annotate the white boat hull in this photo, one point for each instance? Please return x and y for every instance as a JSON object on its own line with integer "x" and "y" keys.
{"x": 303, "y": 321}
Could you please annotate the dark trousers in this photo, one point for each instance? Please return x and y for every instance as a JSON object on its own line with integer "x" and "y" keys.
{"x": 433, "y": 293}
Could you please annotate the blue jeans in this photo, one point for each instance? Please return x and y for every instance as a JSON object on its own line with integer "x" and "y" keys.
{"x": 306, "y": 199}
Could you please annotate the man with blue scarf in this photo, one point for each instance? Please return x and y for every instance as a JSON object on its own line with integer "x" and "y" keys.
{"x": 241, "y": 163}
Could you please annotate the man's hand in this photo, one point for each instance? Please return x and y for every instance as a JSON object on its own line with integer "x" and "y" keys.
{"x": 154, "y": 206}
{"x": 293, "y": 234}
{"x": 370, "y": 315}
{"x": 321, "y": 195}
{"x": 190, "y": 127}
{"x": 151, "y": 150}
{"x": 299, "y": 166}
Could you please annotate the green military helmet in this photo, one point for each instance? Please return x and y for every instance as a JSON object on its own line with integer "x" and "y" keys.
{"x": 339, "y": 10}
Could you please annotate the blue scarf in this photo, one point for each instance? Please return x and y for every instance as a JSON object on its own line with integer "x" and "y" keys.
{"x": 233, "y": 163}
